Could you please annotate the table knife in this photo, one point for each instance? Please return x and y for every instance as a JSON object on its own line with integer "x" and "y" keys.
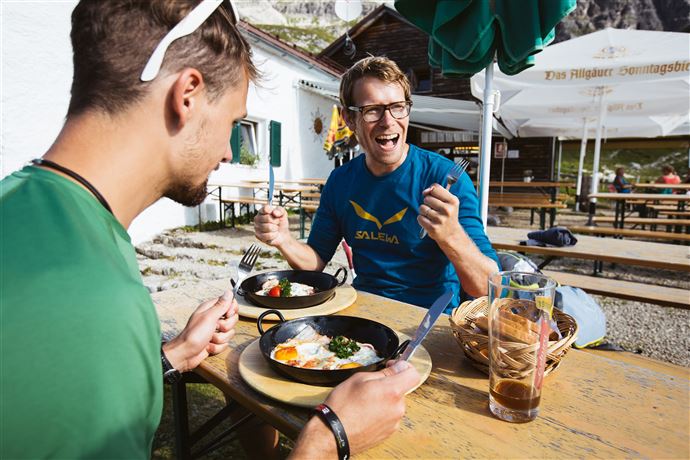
{"x": 427, "y": 323}
{"x": 271, "y": 184}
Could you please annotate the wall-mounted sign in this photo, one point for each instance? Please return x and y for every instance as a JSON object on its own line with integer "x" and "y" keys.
{"x": 500, "y": 149}
{"x": 513, "y": 154}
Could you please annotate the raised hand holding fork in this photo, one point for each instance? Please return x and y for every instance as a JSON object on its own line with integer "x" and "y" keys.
{"x": 451, "y": 178}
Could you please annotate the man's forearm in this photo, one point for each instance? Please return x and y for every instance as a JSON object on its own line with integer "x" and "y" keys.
{"x": 472, "y": 267}
{"x": 315, "y": 442}
{"x": 301, "y": 256}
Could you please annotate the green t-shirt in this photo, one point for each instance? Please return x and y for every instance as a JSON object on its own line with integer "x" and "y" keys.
{"x": 80, "y": 372}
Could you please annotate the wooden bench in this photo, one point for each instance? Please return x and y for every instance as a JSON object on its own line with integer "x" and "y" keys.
{"x": 662, "y": 207}
{"x": 306, "y": 210}
{"x": 675, "y": 213}
{"x": 626, "y": 232}
{"x": 629, "y": 290}
{"x": 228, "y": 203}
{"x": 532, "y": 201}
{"x": 644, "y": 220}
{"x": 311, "y": 195}
{"x": 653, "y": 222}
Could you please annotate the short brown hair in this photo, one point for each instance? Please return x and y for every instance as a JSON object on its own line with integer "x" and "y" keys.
{"x": 373, "y": 66}
{"x": 668, "y": 169}
{"x": 113, "y": 39}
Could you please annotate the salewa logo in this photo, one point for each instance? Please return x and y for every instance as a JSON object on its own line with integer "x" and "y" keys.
{"x": 380, "y": 236}
{"x": 397, "y": 217}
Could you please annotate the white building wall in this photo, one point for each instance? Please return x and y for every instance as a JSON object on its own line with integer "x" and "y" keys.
{"x": 35, "y": 78}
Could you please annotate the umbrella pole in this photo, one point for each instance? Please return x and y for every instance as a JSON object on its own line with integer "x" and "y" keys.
{"x": 485, "y": 147}
{"x": 560, "y": 154}
{"x": 583, "y": 151}
{"x": 595, "y": 166}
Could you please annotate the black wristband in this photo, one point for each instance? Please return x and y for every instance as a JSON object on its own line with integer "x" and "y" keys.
{"x": 337, "y": 428}
{"x": 170, "y": 374}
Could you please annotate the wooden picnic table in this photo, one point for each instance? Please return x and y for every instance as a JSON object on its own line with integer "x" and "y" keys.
{"x": 286, "y": 194}
{"x": 592, "y": 405}
{"x": 639, "y": 253}
{"x": 621, "y": 198}
{"x": 533, "y": 184}
{"x": 654, "y": 185}
{"x": 309, "y": 181}
{"x": 539, "y": 195}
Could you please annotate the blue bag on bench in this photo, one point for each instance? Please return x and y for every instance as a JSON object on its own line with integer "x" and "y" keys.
{"x": 590, "y": 318}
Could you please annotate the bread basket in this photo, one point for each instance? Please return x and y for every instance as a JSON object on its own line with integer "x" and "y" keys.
{"x": 475, "y": 342}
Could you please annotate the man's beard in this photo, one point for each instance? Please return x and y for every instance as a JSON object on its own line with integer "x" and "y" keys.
{"x": 187, "y": 195}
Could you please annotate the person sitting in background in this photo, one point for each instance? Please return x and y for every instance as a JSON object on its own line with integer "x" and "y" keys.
{"x": 668, "y": 176}
{"x": 620, "y": 183}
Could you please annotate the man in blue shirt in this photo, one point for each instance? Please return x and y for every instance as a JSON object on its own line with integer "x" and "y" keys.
{"x": 620, "y": 182}
{"x": 379, "y": 201}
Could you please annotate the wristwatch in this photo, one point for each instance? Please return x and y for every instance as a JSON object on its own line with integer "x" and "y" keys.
{"x": 170, "y": 374}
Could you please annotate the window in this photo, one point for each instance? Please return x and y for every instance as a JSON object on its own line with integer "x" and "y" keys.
{"x": 243, "y": 143}
{"x": 420, "y": 79}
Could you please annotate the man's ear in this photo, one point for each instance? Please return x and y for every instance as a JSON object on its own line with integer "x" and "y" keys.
{"x": 186, "y": 94}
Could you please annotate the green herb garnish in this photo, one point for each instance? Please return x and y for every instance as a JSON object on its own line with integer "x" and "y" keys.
{"x": 285, "y": 288}
{"x": 343, "y": 347}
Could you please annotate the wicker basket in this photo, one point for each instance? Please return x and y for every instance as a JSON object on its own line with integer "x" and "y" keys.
{"x": 475, "y": 342}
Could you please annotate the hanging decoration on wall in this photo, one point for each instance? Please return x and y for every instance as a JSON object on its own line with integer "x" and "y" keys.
{"x": 340, "y": 140}
{"x": 317, "y": 125}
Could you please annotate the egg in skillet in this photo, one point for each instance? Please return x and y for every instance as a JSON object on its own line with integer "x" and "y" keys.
{"x": 311, "y": 350}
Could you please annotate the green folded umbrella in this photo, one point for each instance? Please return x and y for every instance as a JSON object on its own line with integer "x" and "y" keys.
{"x": 466, "y": 35}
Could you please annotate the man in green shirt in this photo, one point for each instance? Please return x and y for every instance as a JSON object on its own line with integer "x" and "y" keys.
{"x": 80, "y": 371}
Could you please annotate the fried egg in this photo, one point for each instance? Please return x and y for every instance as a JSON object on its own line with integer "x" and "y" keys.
{"x": 297, "y": 289}
{"x": 309, "y": 350}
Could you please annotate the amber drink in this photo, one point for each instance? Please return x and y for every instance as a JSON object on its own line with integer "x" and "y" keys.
{"x": 519, "y": 328}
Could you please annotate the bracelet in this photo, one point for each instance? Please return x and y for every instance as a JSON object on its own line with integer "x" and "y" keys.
{"x": 337, "y": 428}
{"x": 170, "y": 374}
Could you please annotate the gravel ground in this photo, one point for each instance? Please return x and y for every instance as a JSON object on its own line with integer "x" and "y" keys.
{"x": 180, "y": 256}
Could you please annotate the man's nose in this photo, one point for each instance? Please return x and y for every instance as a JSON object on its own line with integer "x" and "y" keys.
{"x": 227, "y": 158}
{"x": 387, "y": 119}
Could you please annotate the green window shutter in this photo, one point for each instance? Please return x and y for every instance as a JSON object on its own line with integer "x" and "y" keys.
{"x": 275, "y": 143}
{"x": 235, "y": 142}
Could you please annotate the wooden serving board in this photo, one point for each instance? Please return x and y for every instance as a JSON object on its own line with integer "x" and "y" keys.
{"x": 261, "y": 377}
{"x": 345, "y": 296}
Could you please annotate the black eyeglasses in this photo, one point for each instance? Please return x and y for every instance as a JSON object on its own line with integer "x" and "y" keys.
{"x": 374, "y": 112}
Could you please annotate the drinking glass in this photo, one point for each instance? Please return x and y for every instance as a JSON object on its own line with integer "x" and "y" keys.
{"x": 519, "y": 328}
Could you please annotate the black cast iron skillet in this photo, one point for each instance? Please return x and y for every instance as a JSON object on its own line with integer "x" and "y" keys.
{"x": 384, "y": 340}
{"x": 324, "y": 283}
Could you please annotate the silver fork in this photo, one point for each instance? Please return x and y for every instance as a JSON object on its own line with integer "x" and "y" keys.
{"x": 246, "y": 265}
{"x": 451, "y": 178}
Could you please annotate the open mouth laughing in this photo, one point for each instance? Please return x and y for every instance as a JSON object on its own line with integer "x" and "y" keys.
{"x": 388, "y": 141}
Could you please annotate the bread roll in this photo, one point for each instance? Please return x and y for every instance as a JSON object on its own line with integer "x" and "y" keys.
{"x": 523, "y": 322}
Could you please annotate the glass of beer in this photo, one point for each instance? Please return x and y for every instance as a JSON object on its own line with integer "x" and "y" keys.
{"x": 520, "y": 306}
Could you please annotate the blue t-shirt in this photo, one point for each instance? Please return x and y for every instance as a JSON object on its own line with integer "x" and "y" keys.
{"x": 377, "y": 216}
{"x": 619, "y": 183}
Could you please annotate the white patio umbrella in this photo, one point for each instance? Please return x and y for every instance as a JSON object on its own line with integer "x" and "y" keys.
{"x": 617, "y": 83}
